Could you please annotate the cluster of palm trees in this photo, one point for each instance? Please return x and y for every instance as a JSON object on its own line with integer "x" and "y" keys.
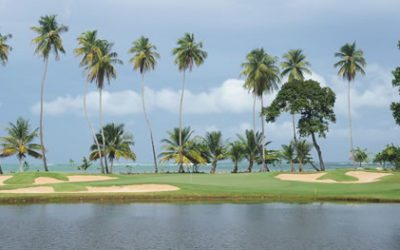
{"x": 98, "y": 60}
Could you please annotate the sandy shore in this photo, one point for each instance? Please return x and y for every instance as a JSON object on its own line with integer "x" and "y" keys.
{"x": 72, "y": 178}
{"x": 362, "y": 176}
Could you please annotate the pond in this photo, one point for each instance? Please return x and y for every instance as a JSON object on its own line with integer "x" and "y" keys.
{"x": 200, "y": 226}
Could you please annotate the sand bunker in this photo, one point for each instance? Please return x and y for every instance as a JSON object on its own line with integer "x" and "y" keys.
{"x": 362, "y": 176}
{"x": 31, "y": 190}
{"x": 4, "y": 178}
{"x": 72, "y": 178}
{"x": 143, "y": 188}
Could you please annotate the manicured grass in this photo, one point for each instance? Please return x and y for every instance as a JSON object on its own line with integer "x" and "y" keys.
{"x": 219, "y": 187}
{"x": 29, "y": 177}
{"x": 338, "y": 175}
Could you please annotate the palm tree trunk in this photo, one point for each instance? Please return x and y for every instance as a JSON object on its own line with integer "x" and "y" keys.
{"x": 181, "y": 170}
{"x": 291, "y": 167}
{"x": 101, "y": 127}
{"x": 149, "y": 127}
{"x": 294, "y": 127}
{"x": 235, "y": 168}
{"x": 21, "y": 164}
{"x": 300, "y": 166}
{"x": 321, "y": 161}
{"x": 264, "y": 166}
{"x": 213, "y": 167}
{"x": 91, "y": 127}
{"x": 1, "y": 169}
{"x": 250, "y": 167}
{"x": 350, "y": 122}
{"x": 111, "y": 165}
{"x": 254, "y": 113}
{"x": 46, "y": 64}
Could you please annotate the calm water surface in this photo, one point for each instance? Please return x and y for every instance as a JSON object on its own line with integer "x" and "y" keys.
{"x": 200, "y": 226}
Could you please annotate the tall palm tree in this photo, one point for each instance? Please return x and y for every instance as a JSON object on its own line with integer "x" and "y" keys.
{"x": 4, "y": 48}
{"x": 351, "y": 61}
{"x": 188, "y": 54}
{"x": 117, "y": 144}
{"x": 48, "y": 40}
{"x": 89, "y": 48}
{"x": 19, "y": 142}
{"x": 236, "y": 154}
{"x": 172, "y": 149}
{"x": 294, "y": 66}
{"x": 251, "y": 142}
{"x": 262, "y": 76}
{"x": 145, "y": 59}
{"x": 288, "y": 153}
{"x": 100, "y": 70}
{"x": 216, "y": 148}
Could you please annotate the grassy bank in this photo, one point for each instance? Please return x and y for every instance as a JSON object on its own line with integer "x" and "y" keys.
{"x": 204, "y": 187}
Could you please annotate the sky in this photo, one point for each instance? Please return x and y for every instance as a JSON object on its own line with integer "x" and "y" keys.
{"x": 215, "y": 98}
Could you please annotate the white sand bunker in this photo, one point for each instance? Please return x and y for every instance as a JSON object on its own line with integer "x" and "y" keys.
{"x": 362, "y": 176}
{"x": 31, "y": 190}
{"x": 143, "y": 188}
{"x": 3, "y": 178}
{"x": 73, "y": 178}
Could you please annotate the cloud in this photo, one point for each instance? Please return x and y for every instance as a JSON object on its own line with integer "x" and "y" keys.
{"x": 229, "y": 97}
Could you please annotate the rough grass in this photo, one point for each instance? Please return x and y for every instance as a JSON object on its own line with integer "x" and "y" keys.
{"x": 218, "y": 187}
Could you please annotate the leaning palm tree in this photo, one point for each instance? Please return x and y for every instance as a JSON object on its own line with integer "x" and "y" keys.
{"x": 236, "y": 154}
{"x": 216, "y": 148}
{"x": 251, "y": 144}
{"x": 145, "y": 59}
{"x": 189, "y": 53}
{"x": 351, "y": 61}
{"x": 100, "y": 70}
{"x": 262, "y": 76}
{"x": 117, "y": 144}
{"x": 4, "y": 48}
{"x": 48, "y": 40}
{"x": 294, "y": 66}
{"x": 19, "y": 142}
{"x": 89, "y": 47}
{"x": 288, "y": 153}
{"x": 182, "y": 154}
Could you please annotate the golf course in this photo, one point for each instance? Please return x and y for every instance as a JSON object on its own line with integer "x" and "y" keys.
{"x": 334, "y": 185}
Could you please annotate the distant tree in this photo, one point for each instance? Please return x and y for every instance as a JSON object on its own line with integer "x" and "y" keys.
{"x": 216, "y": 148}
{"x": 185, "y": 155}
{"x": 144, "y": 59}
{"x": 236, "y": 154}
{"x": 351, "y": 61}
{"x": 390, "y": 154}
{"x": 251, "y": 142}
{"x": 117, "y": 144}
{"x": 360, "y": 155}
{"x": 19, "y": 141}
{"x": 294, "y": 66}
{"x": 262, "y": 77}
{"x": 288, "y": 153}
{"x": 313, "y": 103}
{"x": 5, "y": 48}
{"x": 303, "y": 156}
{"x": 188, "y": 53}
{"x": 48, "y": 40}
{"x": 395, "y": 106}
{"x": 85, "y": 164}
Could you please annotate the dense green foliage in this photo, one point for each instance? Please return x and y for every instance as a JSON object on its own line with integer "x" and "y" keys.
{"x": 389, "y": 155}
{"x": 5, "y": 48}
{"x": 395, "y": 106}
{"x": 360, "y": 155}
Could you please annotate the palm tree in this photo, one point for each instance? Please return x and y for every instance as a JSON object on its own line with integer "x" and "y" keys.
{"x": 303, "y": 149}
{"x": 236, "y": 154}
{"x": 216, "y": 148}
{"x": 145, "y": 59}
{"x": 117, "y": 144}
{"x": 89, "y": 47}
{"x": 19, "y": 142}
{"x": 262, "y": 76}
{"x": 4, "y": 48}
{"x": 48, "y": 40}
{"x": 288, "y": 153}
{"x": 189, "y": 53}
{"x": 185, "y": 154}
{"x": 294, "y": 66}
{"x": 100, "y": 70}
{"x": 351, "y": 61}
{"x": 251, "y": 144}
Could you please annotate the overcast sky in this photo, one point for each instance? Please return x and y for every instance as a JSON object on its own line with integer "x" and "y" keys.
{"x": 215, "y": 99}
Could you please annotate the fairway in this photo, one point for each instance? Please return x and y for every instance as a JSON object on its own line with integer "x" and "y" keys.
{"x": 196, "y": 187}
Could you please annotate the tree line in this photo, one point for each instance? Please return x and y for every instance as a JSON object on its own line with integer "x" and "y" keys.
{"x": 309, "y": 104}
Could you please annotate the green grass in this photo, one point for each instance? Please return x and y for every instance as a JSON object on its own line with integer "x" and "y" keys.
{"x": 29, "y": 177}
{"x": 338, "y": 175}
{"x": 219, "y": 187}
